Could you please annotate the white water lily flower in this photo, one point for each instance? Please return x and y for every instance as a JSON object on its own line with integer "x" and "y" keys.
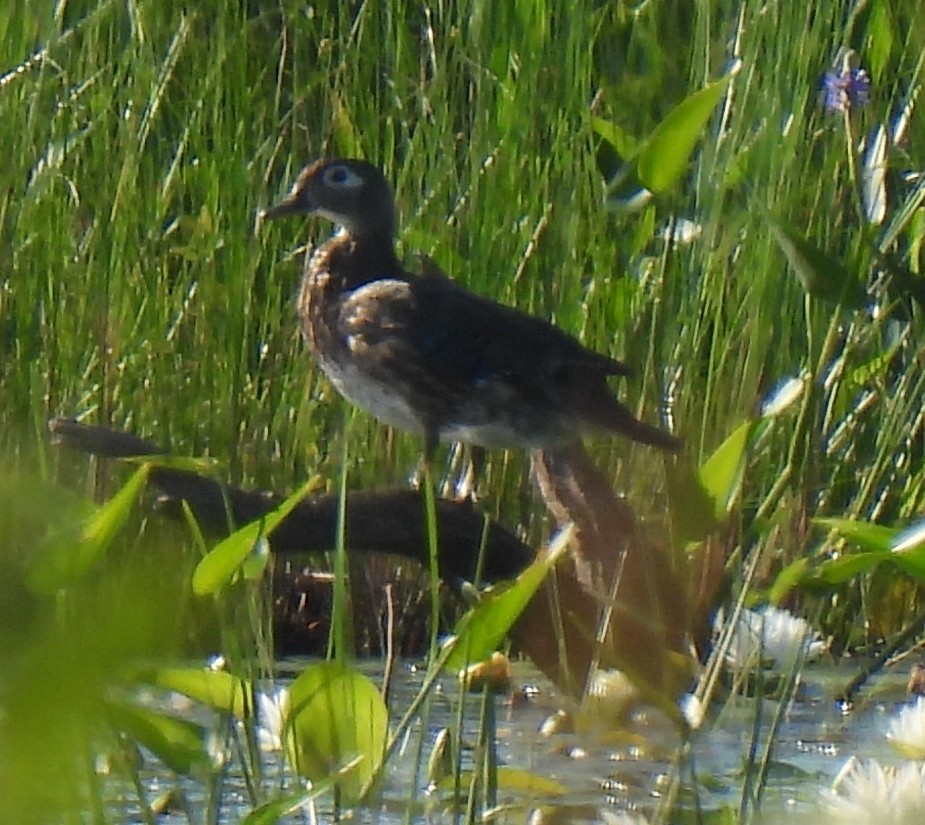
{"x": 774, "y": 635}
{"x": 865, "y": 792}
{"x": 907, "y": 730}
{"x": 271, "y": 715}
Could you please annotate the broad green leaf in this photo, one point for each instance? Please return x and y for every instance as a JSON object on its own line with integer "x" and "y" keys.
{"x": 217, "y": 689}
{"x": 61, "y": 562}
{"x": 665, "y": 156}
{"x": 700, "y": 500}
{"x": 623, "y": 144}
{"x": 845, "y": 568}
{"x": 482, "y": 628}
{"x": 336, "y": 717}
{"x": 821, "y": 275}
{"x": 176, "y": 742}
{"x": 226, "y": 559}
{"x": 869, "y": 537}
{"x": 692, "y": 509}
{"x": 722, "y": 472}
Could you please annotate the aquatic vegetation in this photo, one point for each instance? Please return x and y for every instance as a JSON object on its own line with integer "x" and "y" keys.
{"x": 771, "y": 636}
{"x": 906, "y": 731}
{"x": 866, "y": 791}
{"x": 142, "y": 139}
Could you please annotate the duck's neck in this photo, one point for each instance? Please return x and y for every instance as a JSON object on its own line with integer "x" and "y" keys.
{"x": 348, "y": 260}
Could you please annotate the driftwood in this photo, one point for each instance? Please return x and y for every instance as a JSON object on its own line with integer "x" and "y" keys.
{"x": 557, "y": 630}
{"x": 380, "y": 521}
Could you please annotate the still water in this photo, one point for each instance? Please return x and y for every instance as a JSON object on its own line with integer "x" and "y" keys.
{"x": 606, "y": 772}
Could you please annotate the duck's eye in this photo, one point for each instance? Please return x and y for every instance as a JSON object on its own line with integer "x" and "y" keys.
{"x": 341, "y": 177}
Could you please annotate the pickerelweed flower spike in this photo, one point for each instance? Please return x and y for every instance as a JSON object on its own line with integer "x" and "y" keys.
{"x": 846, "y": 88}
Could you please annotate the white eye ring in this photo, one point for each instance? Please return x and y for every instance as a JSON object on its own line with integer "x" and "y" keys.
{"x": 341, "y": 177}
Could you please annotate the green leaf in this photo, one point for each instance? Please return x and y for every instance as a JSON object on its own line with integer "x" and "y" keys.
{"x": 701, "y": 500}
{"x": 226, "y": 559}
{"x": 722, "y": 472}
{"x": 668, "y": 150}
{"x": 878, "y": 545}
{"x": 788, "y": 578}
{"x": 821, "y": 275}
{"x": 480, "y": 630}
{"x": 692, "y": 509}
{"x": 869, "y": 537}
{"x": 623, "y": 144}
{"x": 216, "y": 689}
{"x": 845, "y": 568}
{"x": 257, "y": 560}
{"x": 61, "y": 563}
{"x": 337, "y": 722}
{"x": 269, "y": 812}
{"x": 176, "y": 742}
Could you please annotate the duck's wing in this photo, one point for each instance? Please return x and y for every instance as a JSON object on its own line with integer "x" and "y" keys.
{"x": 462, "y": 342}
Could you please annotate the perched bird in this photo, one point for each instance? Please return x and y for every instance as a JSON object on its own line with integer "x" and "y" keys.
{"x": 423, "y": 354}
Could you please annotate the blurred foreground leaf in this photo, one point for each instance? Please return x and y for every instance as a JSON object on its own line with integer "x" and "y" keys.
{"x": 176, "y": 742}
{"x": 224, "y": 561}
{"x": 216, "y": 689}
{"x": 61, "y": 563}
{"x": 337, "y": 722}
{"x": 481, "y": 630}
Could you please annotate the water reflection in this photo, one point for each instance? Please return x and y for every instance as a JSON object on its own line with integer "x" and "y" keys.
{"x": 608, "y": 773}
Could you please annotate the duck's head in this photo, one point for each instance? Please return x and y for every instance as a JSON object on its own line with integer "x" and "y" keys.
{"x": 353, "y": 194}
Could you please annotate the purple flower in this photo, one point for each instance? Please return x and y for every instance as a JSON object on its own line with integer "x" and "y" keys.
{"x": 845, "y": 89}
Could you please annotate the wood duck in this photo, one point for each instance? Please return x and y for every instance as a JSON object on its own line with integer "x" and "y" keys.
{"x": 423, "y": 354}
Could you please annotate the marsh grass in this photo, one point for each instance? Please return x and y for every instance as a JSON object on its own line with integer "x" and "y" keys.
{"x": 141, "y": 138}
